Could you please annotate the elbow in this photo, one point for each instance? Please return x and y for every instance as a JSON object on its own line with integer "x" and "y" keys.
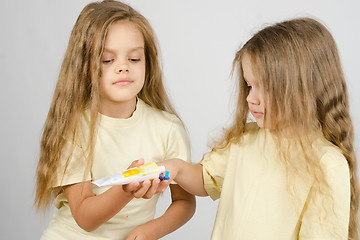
{"x": 193, "y": 209}
{"x": 188, "y": 207}
{"x": 87, "y": 226}
{"x": 191, "y": 202}
{"x": 203, "y": 194}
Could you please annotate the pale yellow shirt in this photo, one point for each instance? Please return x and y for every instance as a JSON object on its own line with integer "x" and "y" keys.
{"x": 255, "y": 203}
{"x": 150, "y": 134}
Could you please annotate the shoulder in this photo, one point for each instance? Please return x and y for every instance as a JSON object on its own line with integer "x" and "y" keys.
{"x": 248, "y": 137}
{"x": 331, "y": 157}
{"x": 80, "y": 135}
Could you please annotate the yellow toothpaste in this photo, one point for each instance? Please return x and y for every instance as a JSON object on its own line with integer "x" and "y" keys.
{"x": 139, "y": 174}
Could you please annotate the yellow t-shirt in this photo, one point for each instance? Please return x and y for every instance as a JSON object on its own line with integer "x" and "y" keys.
{"x": 150, "y": 134}
{"x": 255, "y": 201}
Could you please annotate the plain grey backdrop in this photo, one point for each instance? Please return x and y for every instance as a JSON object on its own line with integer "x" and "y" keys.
{"x": 197, "y": 39}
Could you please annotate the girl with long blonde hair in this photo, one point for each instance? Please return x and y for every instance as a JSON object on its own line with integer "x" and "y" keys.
{"x": 109, "y": 108}
{"x": 292, "y": 174}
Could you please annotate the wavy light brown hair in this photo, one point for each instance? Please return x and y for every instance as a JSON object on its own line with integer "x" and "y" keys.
{"x": 77, "y": 88}
{"x": 298, "y": 66}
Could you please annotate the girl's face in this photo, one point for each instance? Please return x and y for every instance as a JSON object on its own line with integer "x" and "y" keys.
{"x": 255, "y": 98}
{"x": 123, "y": 69}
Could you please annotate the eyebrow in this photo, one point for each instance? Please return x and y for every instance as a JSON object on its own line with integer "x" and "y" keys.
{"x": 131, "y": 50}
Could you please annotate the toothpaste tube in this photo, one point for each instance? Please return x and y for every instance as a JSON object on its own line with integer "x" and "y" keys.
{"x": 139, "y": 174}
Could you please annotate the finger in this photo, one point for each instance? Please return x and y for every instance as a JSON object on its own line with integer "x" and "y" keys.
{"x": 143, "y": 189}
{"x": 131, "y": 187}
{"x": 136, "y": 163}
{"x": 152, "y": 190}
{"x": 134, "y": 234}
{"x": 162, "y": 186}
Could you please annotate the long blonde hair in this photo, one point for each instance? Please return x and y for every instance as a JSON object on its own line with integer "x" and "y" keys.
{"x": 299, "y": 67}
{"x": 77, "y": 88}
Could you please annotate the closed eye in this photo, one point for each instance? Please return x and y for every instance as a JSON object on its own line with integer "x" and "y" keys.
{"x": 134, "y": 59}
{"x": 108, "y": 61}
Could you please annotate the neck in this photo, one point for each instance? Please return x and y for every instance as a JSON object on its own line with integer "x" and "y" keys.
{"x": 119, "y": 109}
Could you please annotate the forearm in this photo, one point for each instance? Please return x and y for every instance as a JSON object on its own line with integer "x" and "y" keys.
{"x": 92, "y": 211}
{"x": 188, "y": 176}
{"x": 178, "y": 213}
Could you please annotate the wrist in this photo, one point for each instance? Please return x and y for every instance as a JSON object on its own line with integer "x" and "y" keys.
{"x": 128, "y": 196}
{"x": 175, "y": 168}
{"x": 155, "y": 228}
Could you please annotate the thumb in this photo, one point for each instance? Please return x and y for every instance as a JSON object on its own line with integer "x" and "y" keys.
{"x": 136, "y": 163}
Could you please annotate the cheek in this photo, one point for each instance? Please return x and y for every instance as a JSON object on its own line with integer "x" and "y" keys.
{"x": 103, "y": 84}
{"x": 101, "y": 87}
{"x": 141, "y": 73}
{"x": 104, "y": 75}
{"x": 143, "y": 70}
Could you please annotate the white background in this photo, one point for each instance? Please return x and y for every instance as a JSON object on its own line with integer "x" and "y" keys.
{"x": 197, "y": 39}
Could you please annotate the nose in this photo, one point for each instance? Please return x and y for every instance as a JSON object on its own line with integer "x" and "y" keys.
{"x": 252, "y": 98}
{"x": 122, "y": 67}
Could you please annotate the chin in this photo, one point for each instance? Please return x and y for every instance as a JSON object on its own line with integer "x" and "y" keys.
{"x": 260, "y": 124}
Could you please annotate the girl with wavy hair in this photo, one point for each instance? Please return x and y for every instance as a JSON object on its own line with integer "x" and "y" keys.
{"x": 292, "y": 174}
{"x": 109, "y": 108}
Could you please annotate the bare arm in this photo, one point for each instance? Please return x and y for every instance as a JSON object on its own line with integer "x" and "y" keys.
{"x": 180, "y": 211}
{"x": 89, "y": 210}
{"x": 188, "y": 176}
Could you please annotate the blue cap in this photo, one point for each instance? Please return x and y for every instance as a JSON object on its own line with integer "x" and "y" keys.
{"x": 164, "y": 177}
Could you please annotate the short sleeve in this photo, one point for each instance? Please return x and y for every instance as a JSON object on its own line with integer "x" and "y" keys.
{"x": 335, "y": 223}
{"x": 178, "y": 145}
{"x": 72, "y": 166}
{"x": 214, "y": 167}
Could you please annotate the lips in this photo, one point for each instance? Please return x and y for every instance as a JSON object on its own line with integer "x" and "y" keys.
{"x": 257, "y": 114}
{"x": 122, "y": 82}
